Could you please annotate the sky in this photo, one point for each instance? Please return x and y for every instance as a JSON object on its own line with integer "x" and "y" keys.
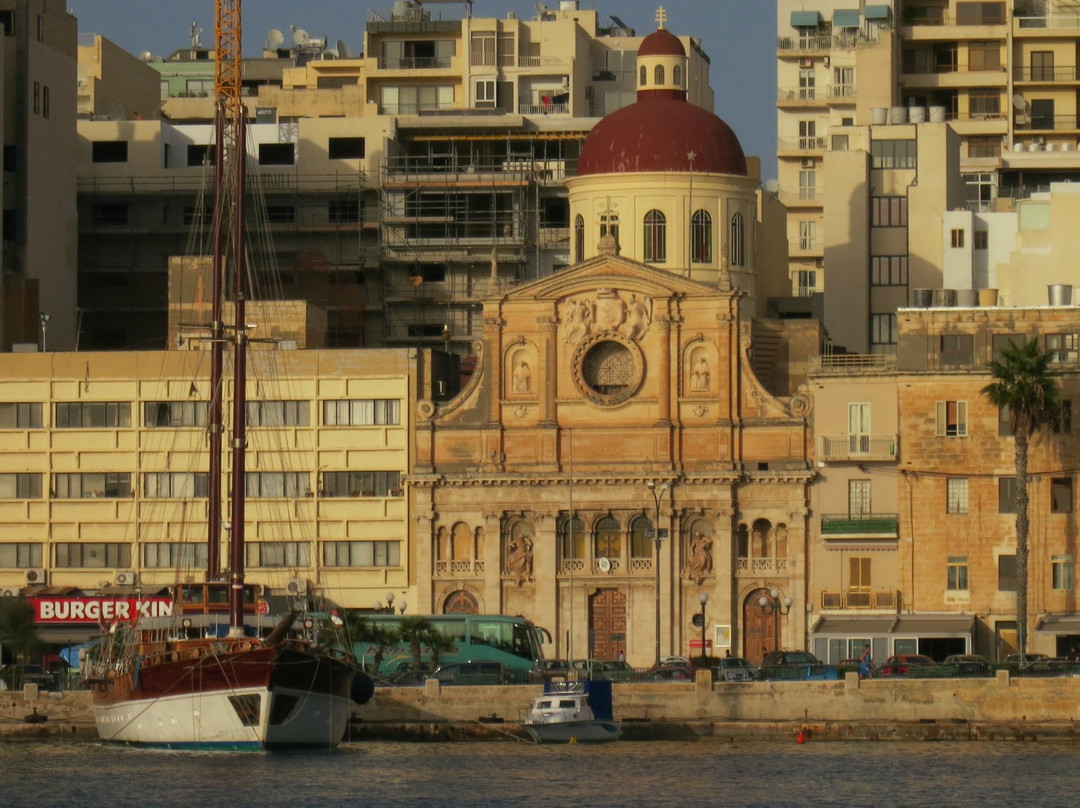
{"x": 738, "y": 35}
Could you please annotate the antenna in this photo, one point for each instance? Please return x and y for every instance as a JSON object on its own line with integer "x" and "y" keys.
{"x": 274, "y": 38}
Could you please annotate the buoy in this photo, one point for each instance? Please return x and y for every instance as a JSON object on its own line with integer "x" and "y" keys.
{"x": 573, "y": 739}
{"x": 801, "y": 737}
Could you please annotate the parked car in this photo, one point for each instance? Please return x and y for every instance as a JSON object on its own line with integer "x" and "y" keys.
{"x": 966, "y": 665}
{"x": 795, "y": 665}
{"x": 907, "y": 665}
{"x": 614, "y": 670}
{"x": 679, "y": 661}
{"x": 665, "y": 673}
{"x": 733, "y": 669}
{"x": 1014, "y": 659}
{"x": 15, "y": 676}
{"x": 474, "y": 673}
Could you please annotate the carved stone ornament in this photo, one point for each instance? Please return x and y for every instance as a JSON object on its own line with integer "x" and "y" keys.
{"x": 608, "y": 311}
{"x": 699, "y": 560}
{"x": 700, "y": 410}
{"x": 519, "y": 558}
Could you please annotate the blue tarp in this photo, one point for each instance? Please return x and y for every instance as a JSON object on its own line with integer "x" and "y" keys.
{"x": 70, "y": 655}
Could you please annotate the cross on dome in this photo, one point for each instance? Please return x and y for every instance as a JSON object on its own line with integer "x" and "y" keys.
{"x": 661, "y": 16}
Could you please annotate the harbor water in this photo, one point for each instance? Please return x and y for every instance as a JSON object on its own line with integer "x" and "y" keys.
{"x": 479, "y": 775}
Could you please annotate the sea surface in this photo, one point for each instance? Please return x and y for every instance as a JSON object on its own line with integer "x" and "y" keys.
{"x": 653, "y": 774}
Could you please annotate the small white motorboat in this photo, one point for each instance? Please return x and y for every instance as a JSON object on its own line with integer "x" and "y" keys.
{"x": 573, "y": 712}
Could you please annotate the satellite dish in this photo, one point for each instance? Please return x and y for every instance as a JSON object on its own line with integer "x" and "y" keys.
{"x": 772, "y": 187}
{"x": 604, "y": 564}
{"x": 300, "y": 37}
{"x": 1019, "y": 102}
{"x": 274, "y": 38}
{"x": 343, "y": 49}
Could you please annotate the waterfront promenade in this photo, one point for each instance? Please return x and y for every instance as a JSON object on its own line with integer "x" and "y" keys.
{"x": 998, "y": 708}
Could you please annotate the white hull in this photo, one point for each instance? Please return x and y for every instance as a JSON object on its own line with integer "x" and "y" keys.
{"x": 595, "y": 731}
{"x": 209, "y": 721}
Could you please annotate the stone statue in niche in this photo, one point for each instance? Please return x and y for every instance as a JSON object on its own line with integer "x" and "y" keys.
{"x": 699, "y": 560}
{"x": 699, "y": 375}
{"x": 638, "y": 317}
{"x": 519, "y": 558}
{"x": 522, "y": 377}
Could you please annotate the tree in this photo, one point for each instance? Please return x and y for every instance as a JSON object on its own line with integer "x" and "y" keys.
{"x": 18, "y": 630}
{"x": 379, "y": 637}
{"x": 1025, "y": 384}
{"x": 438, "y": 643}
{"x": 413, "y": 631}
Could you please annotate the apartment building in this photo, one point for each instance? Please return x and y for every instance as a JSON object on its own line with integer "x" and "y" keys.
{"x": 37, "y": 257}
{"x": 400, "y": 184}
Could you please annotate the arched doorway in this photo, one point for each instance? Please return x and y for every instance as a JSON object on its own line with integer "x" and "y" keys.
{"x": 607, "y": 623}
{"x": 460, "y": 602}
{"x": 759, "y": 628}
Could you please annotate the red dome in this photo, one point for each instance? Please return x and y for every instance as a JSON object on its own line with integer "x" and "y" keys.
{"x": 655, "y": 134}
{"x": 661, "y": 43}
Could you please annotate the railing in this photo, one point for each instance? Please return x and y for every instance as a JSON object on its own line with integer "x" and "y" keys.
{"x": 459, "y": 567}
{"x": 857, "y": 447}
{"x": 842, "y": 91}
{"x": 543, "y": 109}
{"x": 935, "y": 20}
{"x": 844, "y": 524}
{"x": 800, "y": 94}
{"x": 414, "y": 63}
{"x": 1057, "y": 21}
{"x": 805, "y": 245}
{"x": 554, "y": 236}
{"x": 846, "y": 362}
{"x": 804, "y": 194}
{"x": 820, "y": 42}
{"x": 762, "y": 566}
{"x": 1047, "y": 73}
{"x": 1047, "y": 123}
{"x": 528, "y": 61}
{"x": 802, "y": 144}
{"x": 191, "y": 180}
{"x": 860, "y": 599}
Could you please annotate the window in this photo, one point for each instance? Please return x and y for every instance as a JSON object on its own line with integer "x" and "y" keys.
{"x": 641, "y": 545}
{"x": 20, "y": 415}
{"x": 346, "y": 148}
{"x": 360, "y": 484}
{"x": 889, "y": 270}
{"x": 655, "y": 237}
{"x": 701, "y": 237}
{"x": 1042, "y": 65}
{"x": 362, "y": 554}
{"x": 344, "y": 211}
{"x": 957, "y": 237}
{"x": 806, "y": 85}
{"x": 957, "y": 349}
{"x": 737, "y": 256}
{"x": 37, "y": 98}
{"x": 483, "y": 49}
{"x": 1064, "y": 347}
{"x": 411, "y": 99}
{"x": 109, "y": 151}
{"x": 840, "y": 142}
{"x": 956, "y": 495}
{"x": 984, "y": 103}
{"x": 1004, "y": 422}
{"x": 999, "y": 342}
{"x": 174, "y": 555}
{"x": 893, "y": 154}
{"x": 579, "y": 239}
{"x": 1006, "y": 495}
{"x": 278, "y": 554}
{"x": 277, "y": 413}
{"x": 277, "y": 154}
{"x": 858, "y": 498}
{"x": 93, "y": 555}
{"x": 658, "y": 75}
{"x": 859, "y": 573}
{"x": 1061, "y": 572}
{"x": 20, "y": 555}
{"x": 951, "y": 419}
{"x": 91, "y": 485}
{"x": 176, "y": 485}
{"x": 277, "y": 484}
{"x": 362, "y": 412}
{"x": 643, "y": 77}
{"x": 20, "y": 486}
{"x": 889, "y": 211}
{"x": 608, "y": 539}
{"x": 1061, "y": 498}
{"x": 980, "y": 13}
{"x": 571, "y": 540}
{"x": 807, "y": 234}
{"x": 92, "y": 415}
{"x": 1006, "y": 573}
{"x": 45, "y": 101}
{"x": 110, "y": 213}
{"x": 280, "y": 214}
{"x": 198, "y": 88}
{"x": 984, "y": 147}
{"x": 957, "y": 573}
{"x": 805, "y": 282}
{"x": 7, "y": 26}
{"x": 1041, "y": 115}
{"x": 200, "y": 154}
{"x": 980, "y": 239}
{"x": 484, "y": 93}
{"x": 676, "y": 76}
{"x": 808, "y": 184}
{"x": 1062, "y": 424}
{"x": 175, "y": 413}
{"x": 883, "y": 329}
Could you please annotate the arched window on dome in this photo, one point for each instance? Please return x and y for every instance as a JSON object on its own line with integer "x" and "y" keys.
{"x": 644, "y": 76}
{"x": 738, "y": 245}
{"x": 701, "y": 237}
{"x": 676, "y": 76}
{"x": 655, "y": 240}
{"x": 658, "y": 76}
{"x": 579, "y": 239}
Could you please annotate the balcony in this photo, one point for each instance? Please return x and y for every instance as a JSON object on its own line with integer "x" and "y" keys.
{"x": 881, "y": 525}
{"x": 818, "y": 43}
{"x": 1058, "y": 22}
{"x": 860, "y": 599}
{"x": 1046, "y": 73}
{"x": 801, "y": 146}
{"x": 748, "y": 567}
{"x": 839, "y": 448}
{"x": 801, "y": 97}
{"x": 1046, "y": 123}
{"x": 543, "y": 109}
{"x": 806, "y": 196}
{"x": 415, "y": 63}
{"x": 846, "y": 363}
{"x": 806, "y": 247}
{"x": 456, "y": 569}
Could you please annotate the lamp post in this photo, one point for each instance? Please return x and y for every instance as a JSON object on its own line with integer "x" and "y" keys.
{"x": 389, "y": 602}
{"x": 401, "y": 606}
{"x": 704, "y": 598}
{"x": 658, "y": 534}
{"x": 44, "y": 318}
{"x": 773, "y": 604}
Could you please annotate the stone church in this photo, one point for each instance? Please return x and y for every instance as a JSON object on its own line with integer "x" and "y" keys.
{"x": 614, "y": 458}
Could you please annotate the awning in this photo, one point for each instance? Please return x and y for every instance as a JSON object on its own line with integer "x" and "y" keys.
{"x": 846, "y": 18}
{"x": 805, "y": 19}
{"x": 1059, "y": 624}
{"x": 877, "y": 13}
{"x": 908, "y": 625}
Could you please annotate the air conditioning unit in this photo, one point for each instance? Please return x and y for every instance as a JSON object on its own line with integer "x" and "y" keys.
{"x": 806, "y": 62}
{"x": 296, "y": 586}
{"x": 36, "y": 576}
{"x": 825, "y": 61}
{"x": 9, "y": 593}
{"x": 126, "y": 578}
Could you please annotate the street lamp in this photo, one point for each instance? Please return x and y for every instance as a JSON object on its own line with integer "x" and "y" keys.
{"x": 390, "y": 602}
{"x": 658, "y": 535}
{"x": 44, "y": 318}
{"x": 402, "y": 606}
{"x": 773, "y": 604}
{"x": 704, "y": 598}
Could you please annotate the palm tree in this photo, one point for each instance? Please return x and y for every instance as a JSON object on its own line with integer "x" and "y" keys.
{"x": 379, "y": 637}
{"x": 1026, "y": 385}
{"x": 438, "y": 642}
{"x": 414, "y": 630}
{"x": 18, "y": 630}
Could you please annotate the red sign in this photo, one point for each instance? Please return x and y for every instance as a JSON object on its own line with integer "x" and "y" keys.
{"x": 695, "y": 645}
{"x": 262, "y": 606}
{"x": 97, "y": 610}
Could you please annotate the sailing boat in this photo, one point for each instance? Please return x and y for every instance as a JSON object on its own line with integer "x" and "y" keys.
{"x": 215, "y": 673}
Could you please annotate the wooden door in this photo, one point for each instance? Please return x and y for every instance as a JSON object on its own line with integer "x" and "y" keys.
{"x": 759, "y": 628}
{"x": 607, "y": 624}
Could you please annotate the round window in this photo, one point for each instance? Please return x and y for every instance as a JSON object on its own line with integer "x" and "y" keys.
{"x": 609, "y": 370}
